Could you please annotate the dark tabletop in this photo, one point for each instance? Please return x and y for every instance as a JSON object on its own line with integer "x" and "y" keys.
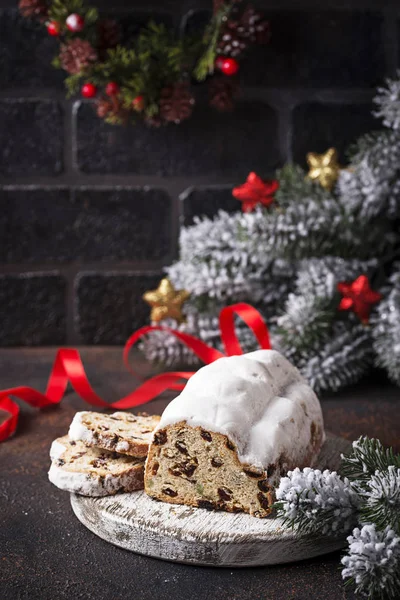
{"x": 47, "y": 554}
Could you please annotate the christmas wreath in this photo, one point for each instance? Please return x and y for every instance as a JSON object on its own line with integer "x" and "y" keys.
{"x": 152, "y": 76}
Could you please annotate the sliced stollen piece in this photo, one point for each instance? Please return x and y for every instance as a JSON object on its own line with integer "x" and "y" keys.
{"x": 123, "y": 432}
{"x": 239, "y": 424}
{"x": 59, "y": 446}
{"x": 92, "y": 471}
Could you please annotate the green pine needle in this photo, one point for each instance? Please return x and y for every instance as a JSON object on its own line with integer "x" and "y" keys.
{"x": 205, "y": 65}
{"x": 367, "y": 457}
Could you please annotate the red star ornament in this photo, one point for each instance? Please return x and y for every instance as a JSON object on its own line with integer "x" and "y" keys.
{"x": 358, "y": 296}
{"x": 255, "y": 191}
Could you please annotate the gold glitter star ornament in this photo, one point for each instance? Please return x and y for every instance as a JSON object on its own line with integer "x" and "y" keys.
{"x": 166, "y": 301}
{"x": 324, "y": 168}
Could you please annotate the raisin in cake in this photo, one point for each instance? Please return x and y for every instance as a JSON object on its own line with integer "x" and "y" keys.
{"x": 93, "y": 471}
{"x": 239, "y": 423}
{"x": 123, "y": 432}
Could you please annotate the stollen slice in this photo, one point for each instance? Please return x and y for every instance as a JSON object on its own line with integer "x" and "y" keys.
{"x": 59, "y": 446}
{"x": 93, "y": 471}
{"x": 122, "y": 432}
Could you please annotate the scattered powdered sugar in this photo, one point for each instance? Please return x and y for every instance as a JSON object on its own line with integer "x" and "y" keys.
{"x": 122, "y": 446}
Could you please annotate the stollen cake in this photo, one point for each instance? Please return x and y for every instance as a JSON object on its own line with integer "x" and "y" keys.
{"x": 239, "y": 423}
{"x": 122, "y": 432}
{"x": 93, "y": 471}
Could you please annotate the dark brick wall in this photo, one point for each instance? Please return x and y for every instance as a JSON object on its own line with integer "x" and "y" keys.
{"x": 90, "y": 213}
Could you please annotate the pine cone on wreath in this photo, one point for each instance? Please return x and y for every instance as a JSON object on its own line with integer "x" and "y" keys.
{"x": 103, "y": 108}
{"x": 254, "y": 27}
{"x": 221, "y": 93}
{"x": 109, "y": 34}
{"x": 154, "y": 121}
{"x": 33, "y": 9}
{"x": 217, "y": 4}
{"x": 77, "y": 54}
{"x": 176, "y": 102}
{"x": 231, "y": 42}
{"x": 112, "y": 110}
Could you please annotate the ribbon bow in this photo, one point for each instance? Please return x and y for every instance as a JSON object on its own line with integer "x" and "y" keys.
{"x": 68, "y": 368}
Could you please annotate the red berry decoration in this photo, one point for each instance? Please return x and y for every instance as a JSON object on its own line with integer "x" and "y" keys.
{"x": 138, "y": 103}
{"x": 112, "y": 88}
{"x": 228, "y": 66}
{"x": 75, "y": 22}
{"x": 358, "y": 297}
{"x": 53, "y": 28}
{"x": 88, "y": 90}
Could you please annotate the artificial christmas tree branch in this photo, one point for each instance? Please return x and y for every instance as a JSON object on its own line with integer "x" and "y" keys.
{"x": 330, "y": 504}
{"x": 318, "y": 263}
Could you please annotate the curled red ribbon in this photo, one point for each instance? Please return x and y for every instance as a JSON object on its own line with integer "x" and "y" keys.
{"x": 68, "y": 368}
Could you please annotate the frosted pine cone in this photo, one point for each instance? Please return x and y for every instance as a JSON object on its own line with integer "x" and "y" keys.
{"x": 232, "y": 43}
{"x": 254, "y": 27}
{"x": 76, "y": 55}
{"x": 221, "y": 93}
{"x": 33, "y": 9}
{"x": 373, "y": 562}
{"x": 176, "y": 102}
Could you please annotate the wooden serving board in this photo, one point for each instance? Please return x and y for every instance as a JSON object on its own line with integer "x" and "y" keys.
{"x": 198, "y": 536}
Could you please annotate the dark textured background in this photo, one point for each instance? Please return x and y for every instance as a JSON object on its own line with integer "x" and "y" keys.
{"x": 46, "y": 554}
{"x": 89, "y": 213}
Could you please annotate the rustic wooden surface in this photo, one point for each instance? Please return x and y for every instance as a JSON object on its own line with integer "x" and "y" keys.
{"x": 196, "y": 536}
{"x": 46, "y": 554}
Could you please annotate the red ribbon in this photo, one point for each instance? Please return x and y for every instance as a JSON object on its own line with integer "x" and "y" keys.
{"x": 68, "y": 368}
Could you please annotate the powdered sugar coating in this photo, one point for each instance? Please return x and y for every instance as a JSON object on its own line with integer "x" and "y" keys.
{"x": 78, "y": 431}
{"x": 88, "y": 484}
{"x": 122, "y": 447}
{"x": 57, "y": 449}
{"x": 119, "y": 432}
{"x": 260, "y": 401}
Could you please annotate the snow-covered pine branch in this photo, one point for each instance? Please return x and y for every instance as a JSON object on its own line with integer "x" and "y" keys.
{"x": 373, "y": 562}
{"x": 317, "y": 502}
{"x": 386, "y": 329}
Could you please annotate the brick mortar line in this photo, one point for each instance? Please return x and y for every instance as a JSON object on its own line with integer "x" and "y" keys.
{"x": 285, "y": 134}
{"x": 65, "y": 269}
{"x": 72, "y": 334}
{"x": 249, "y": 92}
{"x": 68, "y": 138}
{"x": 170, "y": 186}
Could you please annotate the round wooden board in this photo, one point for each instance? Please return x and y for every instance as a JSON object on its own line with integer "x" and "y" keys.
{"x": 197, "y": 536}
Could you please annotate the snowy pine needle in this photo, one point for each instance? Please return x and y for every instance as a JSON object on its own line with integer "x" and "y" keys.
{"x": 381, "y": 499}
{"x": 386, "y": 329}
{"x": 325, "y": 503}
{"x": 388, "y": 102}
{"x": 373, "y": 563}
{"x": 317, "y": 502}
{"x": 368, "y": 456}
